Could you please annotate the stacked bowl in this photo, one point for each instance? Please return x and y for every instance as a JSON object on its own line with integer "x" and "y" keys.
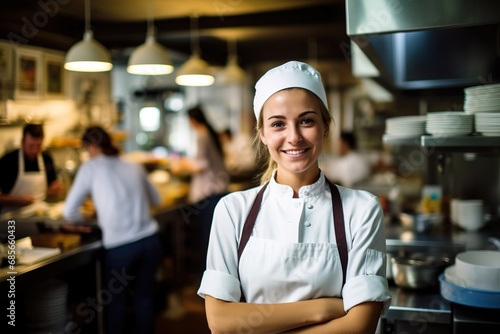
{"x": 467, "y": 214}
{"x": 479, "y": 269}
{"x": 473, "y": 280}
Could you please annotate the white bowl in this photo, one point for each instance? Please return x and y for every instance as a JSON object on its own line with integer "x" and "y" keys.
{"x": 479, "y": 269}
{"x": 469, "y": 214}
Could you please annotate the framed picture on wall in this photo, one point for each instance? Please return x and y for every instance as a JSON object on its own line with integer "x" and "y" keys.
{"x": 28, "y": 76}
{"x": 54, "y": 76}
{"x": 5, "y": 62}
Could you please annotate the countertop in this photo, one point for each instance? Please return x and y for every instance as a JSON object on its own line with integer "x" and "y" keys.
{"x": 69, "y": 258}
{"x": 428, "y": 305}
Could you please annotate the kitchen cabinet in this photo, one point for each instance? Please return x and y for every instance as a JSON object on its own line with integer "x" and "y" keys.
{"x": 78, "y": 267}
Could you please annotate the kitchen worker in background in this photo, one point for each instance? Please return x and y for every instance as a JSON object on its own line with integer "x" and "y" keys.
{"x": 28, "y": 175}
{"x": 297, "y": 254}
{"x": 122, "y": 196}
{"x": 209, "y": 177}
{"x": 238, "y": 154}
{"x": 349, "y": 167}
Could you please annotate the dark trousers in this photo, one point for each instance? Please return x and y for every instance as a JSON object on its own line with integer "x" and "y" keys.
{"x": 201, "y": 214}
{"x": 130, "y": 269}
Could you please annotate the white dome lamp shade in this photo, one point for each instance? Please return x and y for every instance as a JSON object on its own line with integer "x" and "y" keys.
{"x": 232, "y": 74}
{"x": 150, "y": 58}
{"x": 88, "y": 55}
{"x": 194, "y": 72}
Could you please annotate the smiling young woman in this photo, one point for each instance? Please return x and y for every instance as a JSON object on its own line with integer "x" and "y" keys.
{"x": 297, "y": 254}
{"x": 293, "y": 130}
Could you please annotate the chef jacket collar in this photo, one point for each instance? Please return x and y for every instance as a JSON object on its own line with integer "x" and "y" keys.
{"x": 310, "y": 190}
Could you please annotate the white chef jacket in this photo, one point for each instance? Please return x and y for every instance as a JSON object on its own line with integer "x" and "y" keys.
{"x": 292, "y": 253}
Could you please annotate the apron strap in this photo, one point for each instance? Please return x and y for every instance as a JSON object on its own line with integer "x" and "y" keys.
{"x": 338, "y": 222}
{"x": 250, "y": 222}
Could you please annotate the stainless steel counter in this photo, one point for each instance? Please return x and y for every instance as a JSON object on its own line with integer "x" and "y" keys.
{"x": 425, "y": 311}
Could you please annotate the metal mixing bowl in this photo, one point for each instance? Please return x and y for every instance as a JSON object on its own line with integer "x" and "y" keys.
{"x": 418, "y": 271}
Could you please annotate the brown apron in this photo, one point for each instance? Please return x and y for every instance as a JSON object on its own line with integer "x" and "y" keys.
{"x": 338, "y": 221}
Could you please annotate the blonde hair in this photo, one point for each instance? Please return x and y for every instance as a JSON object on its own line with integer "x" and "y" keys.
{"x": 261, "y": 151}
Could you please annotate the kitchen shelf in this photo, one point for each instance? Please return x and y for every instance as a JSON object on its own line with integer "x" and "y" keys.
{"x": 471, "y": 143}
{"x": 462, "y": 141}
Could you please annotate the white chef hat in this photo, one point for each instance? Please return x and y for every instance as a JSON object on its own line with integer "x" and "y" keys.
{"x": 288, "y": 75}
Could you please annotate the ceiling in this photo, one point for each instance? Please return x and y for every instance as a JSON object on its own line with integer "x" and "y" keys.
{"x": 264, "y": 31}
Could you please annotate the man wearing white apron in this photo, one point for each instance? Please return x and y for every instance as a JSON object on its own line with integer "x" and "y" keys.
{"x": 26, "y": 173}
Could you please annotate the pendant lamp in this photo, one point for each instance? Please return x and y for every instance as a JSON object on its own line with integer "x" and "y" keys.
{"x": 195, "y": 71}
{"x": 88, "y": 55}
{"x": 232, "y": 73}
{"x": 150, "y": 58}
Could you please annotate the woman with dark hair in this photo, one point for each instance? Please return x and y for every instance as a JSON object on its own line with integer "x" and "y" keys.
{"x": 122, "y": 196}
{"x": 197, "y": 117}
{"x": 209, "y": 180}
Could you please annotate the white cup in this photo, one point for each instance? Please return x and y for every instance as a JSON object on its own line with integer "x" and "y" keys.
{"x": 470, "y": 215}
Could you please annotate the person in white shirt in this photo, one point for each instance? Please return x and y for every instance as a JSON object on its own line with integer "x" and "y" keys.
{"x": 122, "y": 196}
{"x": 280, "y": 259}
{"x": 350, "y": 167}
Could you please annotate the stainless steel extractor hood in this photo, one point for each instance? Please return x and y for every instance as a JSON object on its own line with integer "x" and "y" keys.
{"x": 428, "y": 43}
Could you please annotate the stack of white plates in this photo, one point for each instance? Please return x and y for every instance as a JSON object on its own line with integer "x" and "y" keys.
{"x": 487, "y": 123}
{"x": 449, "y": 123}
{"x": 484, "y": 98}
{"x": 405, "y": 126}
{"x": 46, "y": 307}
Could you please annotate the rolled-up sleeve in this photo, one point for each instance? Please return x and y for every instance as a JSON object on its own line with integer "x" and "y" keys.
{"x": 220, "y": 285}
{"x": 364, "y": 289}
{"x": 366, "y": 276}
